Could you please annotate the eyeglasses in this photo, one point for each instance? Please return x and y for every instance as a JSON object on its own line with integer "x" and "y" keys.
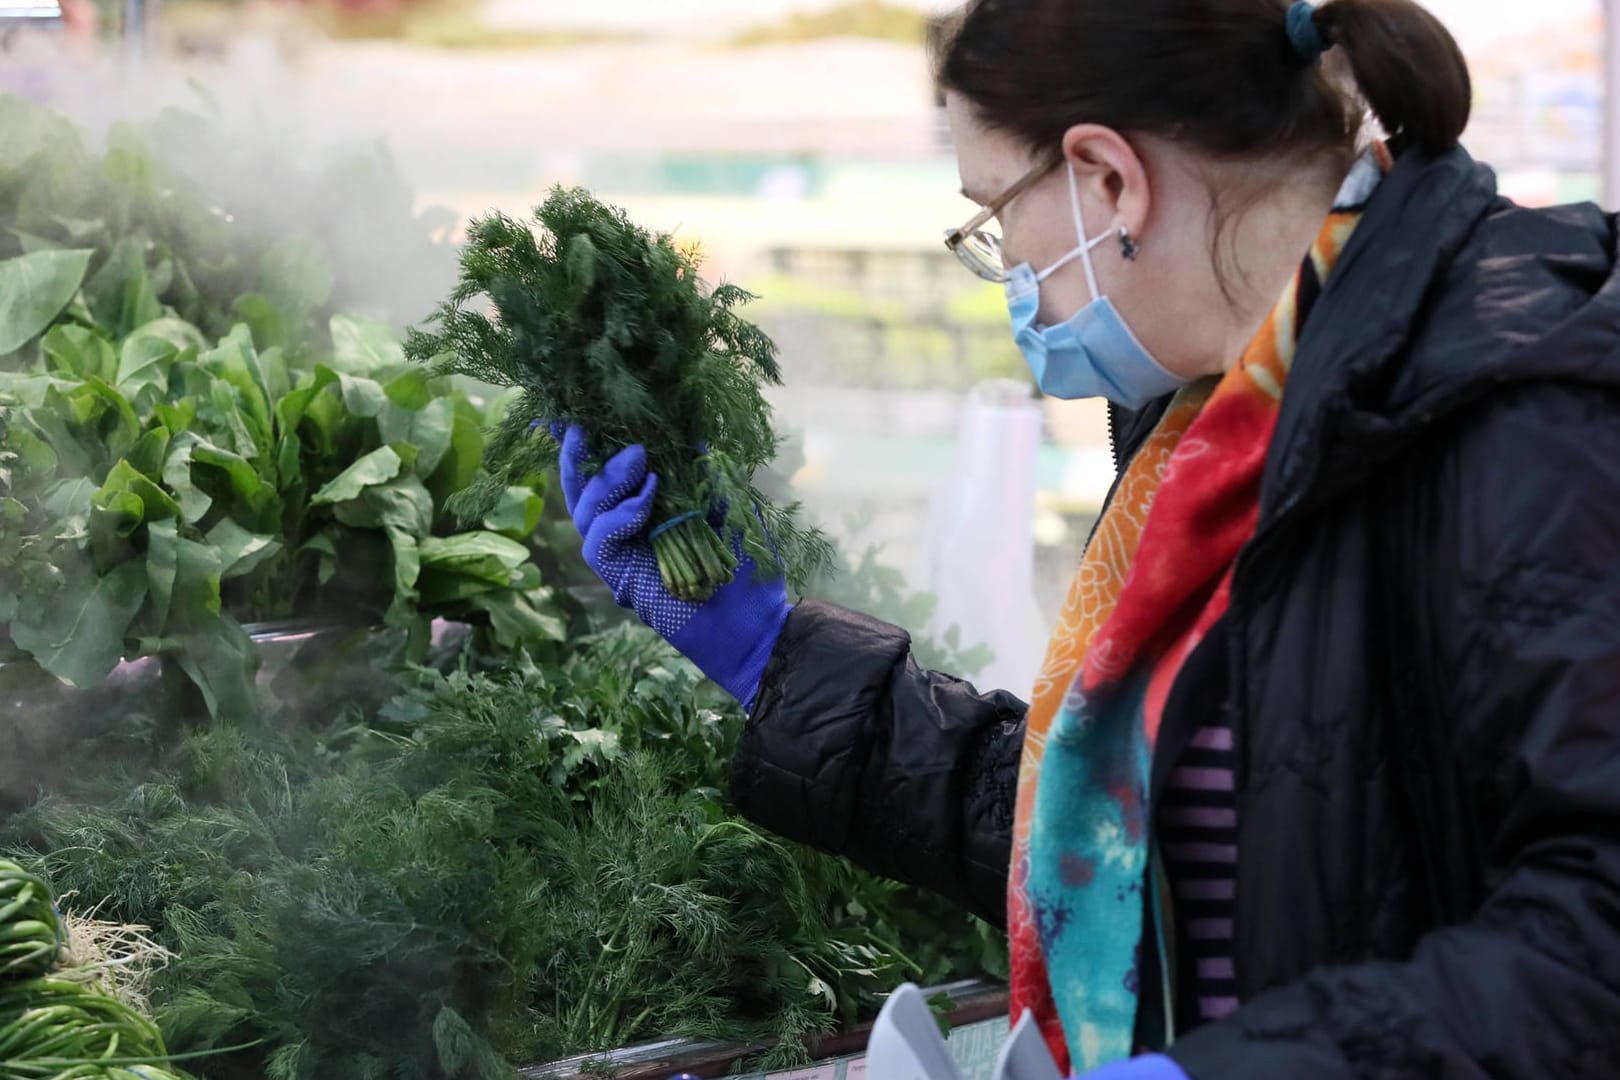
{"x": 977, "y": 247}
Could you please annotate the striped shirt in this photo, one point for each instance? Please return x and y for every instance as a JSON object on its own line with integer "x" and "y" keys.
{"x": 1198, "y": 832}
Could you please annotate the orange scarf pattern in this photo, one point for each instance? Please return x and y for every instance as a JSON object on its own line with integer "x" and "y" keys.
{"x": 1155, "y": 576}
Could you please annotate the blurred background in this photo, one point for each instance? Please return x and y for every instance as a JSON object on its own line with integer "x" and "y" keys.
{"x": 799, "y": 142}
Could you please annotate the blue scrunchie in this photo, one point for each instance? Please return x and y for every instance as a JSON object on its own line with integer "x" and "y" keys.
{"x": 1303, "y": 35}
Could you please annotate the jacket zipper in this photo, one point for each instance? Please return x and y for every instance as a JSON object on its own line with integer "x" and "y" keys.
{"x": 1121, "y": 456}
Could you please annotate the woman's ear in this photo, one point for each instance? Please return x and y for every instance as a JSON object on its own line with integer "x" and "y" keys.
{"x": 1108, "y": 174}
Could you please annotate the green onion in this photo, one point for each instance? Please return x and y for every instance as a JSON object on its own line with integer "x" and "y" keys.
{"x": 31, "y": 934}
{"x": 52, "y": 1025}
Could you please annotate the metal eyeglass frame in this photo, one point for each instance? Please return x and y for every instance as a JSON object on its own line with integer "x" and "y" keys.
{"x": 980, "y": 251}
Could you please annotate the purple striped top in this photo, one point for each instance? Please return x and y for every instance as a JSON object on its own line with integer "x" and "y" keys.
{"x": 1198, "y": 830}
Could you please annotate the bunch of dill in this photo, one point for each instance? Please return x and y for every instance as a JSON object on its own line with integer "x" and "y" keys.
{"x": 493, "y": 870}
{"x": 606, "y": 325}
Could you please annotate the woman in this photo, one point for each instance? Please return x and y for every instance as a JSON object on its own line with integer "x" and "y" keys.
{"x": 1322, "y": 774}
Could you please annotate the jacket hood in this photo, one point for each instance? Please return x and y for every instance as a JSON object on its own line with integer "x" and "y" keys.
{"x": 1446, "y": 292}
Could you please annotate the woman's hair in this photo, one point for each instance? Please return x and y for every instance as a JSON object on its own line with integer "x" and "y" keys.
{"x": 1224, "y": 76}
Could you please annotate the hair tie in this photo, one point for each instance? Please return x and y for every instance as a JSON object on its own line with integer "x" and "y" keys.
{"x": 1303, "y": 34}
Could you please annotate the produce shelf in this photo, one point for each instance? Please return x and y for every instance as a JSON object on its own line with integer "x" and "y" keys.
{"x": 972, "y": 1001}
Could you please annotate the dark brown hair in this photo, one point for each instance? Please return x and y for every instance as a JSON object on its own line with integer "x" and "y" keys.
{"x": 1220, "y": 75}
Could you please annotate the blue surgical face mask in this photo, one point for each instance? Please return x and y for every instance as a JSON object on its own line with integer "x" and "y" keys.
{"x": 1093, "y": 354}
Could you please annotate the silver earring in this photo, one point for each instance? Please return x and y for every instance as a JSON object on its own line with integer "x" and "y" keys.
{"x": 1127, "y": 246}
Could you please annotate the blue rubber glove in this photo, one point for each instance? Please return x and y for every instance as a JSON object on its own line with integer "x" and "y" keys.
{"x": 1147, "y": 1067}
{"x": 729, "y": 636}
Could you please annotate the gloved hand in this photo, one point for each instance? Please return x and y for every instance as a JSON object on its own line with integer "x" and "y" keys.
{"x": 1147, "y": 1067}
{"x": 729, "y": 636}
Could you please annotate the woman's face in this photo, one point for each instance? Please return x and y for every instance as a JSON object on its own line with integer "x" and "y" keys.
{"x": 1169, "y": 293}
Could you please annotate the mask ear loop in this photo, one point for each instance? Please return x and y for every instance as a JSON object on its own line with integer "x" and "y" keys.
{"x": 1083, "y": 252}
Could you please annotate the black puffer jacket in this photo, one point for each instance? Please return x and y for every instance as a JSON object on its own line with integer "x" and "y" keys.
{"x": 1421, "y": 659}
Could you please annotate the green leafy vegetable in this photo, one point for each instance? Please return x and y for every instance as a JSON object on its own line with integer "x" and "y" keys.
{"x": 33, "y": 291}
{"x": 377, "y": 467}
{"x": 78, "y": 638}
{"x": 360, "y": 347}
{"x": 184, "y": 448}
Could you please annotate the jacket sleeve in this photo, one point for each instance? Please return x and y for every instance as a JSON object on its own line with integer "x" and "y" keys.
{"x": 854, "y": 749}
{"x": 1522, "y": 599}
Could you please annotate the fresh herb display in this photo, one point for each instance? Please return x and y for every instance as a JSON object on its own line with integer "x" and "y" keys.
{"x": 363, "y": 869}
{"x": 523, "y": 866}
{"x": 185, "y": 196}
{"x": 160, "y": 486}
{"x": 603, "y": 324}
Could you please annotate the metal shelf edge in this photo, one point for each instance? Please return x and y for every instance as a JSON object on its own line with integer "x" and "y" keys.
{"x": 972, "y": 1000}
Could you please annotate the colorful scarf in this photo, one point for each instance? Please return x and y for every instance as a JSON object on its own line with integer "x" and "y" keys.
{"x": 1154, "y": 579}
